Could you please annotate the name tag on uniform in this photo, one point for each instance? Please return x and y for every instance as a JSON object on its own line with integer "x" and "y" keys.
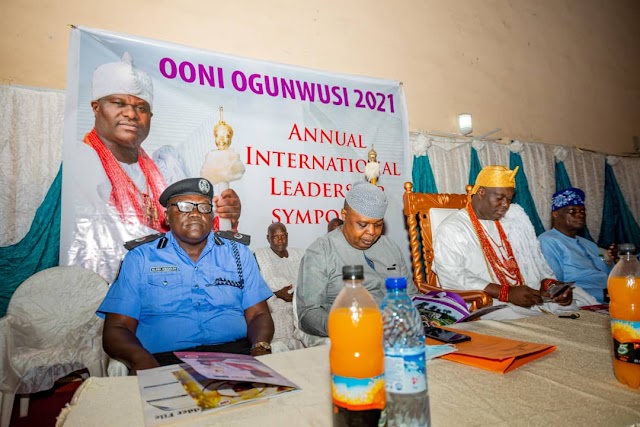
{"x": 163, "y": 269}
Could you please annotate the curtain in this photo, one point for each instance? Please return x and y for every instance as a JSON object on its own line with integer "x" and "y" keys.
{"x": 31, "y": 122}
{"x": 475, "y": 168}
{"x": 451, "y": 161}
{"x": 422, "y": 175}
{"x": 618, "y": 225}
{"x": 30, "y": 153}
{"x": 586, "y": 171}
{"x": 562, "y": 178}
{"x": 523, "y": 195}
{"x": 38, "y": 250}
{"x": 563, "y": 182}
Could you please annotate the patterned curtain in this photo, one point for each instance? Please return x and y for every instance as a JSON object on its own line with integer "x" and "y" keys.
{"x": 422, "y": 175}
{"x": 475, "y": 167}
{"x": 38, "y": 250}
{"x": 450, "y": 162}
{"x": 563, "y": 182}
{"x": 30, "y": 154}
{"x": 562, "y": 178}
{"x": 523, "y": 195}
{"x": 618, "y": 225}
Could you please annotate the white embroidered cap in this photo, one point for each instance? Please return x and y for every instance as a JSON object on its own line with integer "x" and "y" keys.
{"x": 122, "y": 78}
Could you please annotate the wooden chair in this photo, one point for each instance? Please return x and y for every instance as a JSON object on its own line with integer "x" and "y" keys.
{"x": 424, "y": 212}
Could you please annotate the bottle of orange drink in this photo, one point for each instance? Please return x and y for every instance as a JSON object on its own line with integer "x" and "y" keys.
{"x": 356, "y": 357}
{"x": 624, "y": 309}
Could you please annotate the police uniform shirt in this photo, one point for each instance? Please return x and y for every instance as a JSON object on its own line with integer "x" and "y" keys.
{"x": 179, "y": 303}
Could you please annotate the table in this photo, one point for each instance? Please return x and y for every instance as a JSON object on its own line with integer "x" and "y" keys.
{"x": 574, "y": 386}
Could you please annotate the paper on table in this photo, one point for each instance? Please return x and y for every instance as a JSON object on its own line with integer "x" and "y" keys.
{"x": 433, "y": 351}
{"x": 495, "y": 354}
{"x": 204, "y": 383}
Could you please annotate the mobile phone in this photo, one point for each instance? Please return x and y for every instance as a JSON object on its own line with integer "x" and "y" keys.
{"x": 445, "y": 336}
{"x": 558, "y": 288}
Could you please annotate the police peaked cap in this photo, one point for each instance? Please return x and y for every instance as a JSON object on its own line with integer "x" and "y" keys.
{"x": 198, "y": 186}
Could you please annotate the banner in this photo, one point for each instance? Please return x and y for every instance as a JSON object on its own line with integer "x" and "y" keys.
{"x": 303, "y": 136}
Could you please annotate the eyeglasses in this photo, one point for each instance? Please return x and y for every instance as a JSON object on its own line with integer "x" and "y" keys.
{"x": 187, "y": 207}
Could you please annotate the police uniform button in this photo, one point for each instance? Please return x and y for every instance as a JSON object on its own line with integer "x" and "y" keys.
{"x": 196, "y": 267}
{"x": 165, "y": 283}
{"x": 197, "y": 286}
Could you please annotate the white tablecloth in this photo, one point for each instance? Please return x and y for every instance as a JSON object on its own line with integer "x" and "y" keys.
{"x": 573, "y": 386}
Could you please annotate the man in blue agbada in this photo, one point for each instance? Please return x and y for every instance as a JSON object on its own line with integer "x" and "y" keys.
{"x": 571, "y": 257}
{"x": 189, "y": 290}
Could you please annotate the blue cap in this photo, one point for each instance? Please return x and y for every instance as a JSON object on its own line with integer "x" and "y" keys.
{"x": 396, "y": 282}
{"x": 567, "y": 197}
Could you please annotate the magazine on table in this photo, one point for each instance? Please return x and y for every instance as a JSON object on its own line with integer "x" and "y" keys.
{"x": 442, "y": 308}
{"x": 204, "y": 383}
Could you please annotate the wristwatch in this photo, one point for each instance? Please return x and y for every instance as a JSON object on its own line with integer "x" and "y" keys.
{"x": 261, "y": 344}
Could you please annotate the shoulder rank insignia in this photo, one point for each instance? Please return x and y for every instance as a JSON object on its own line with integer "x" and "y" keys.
{"x": 245, "y": 239}
{"x": 146, "y": 239}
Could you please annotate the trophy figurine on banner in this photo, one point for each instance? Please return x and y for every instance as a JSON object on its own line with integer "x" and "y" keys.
{"x": 223, "y": 165}
{"x": 372, "y": 169}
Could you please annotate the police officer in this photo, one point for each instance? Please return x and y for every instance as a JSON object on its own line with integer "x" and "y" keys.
{"x": 188, "y": 290}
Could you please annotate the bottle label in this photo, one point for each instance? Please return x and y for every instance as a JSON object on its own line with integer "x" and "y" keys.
{"x": 626, "y": 340}
{"x": 358, "y": 394}
{"x": 405, "y": 373}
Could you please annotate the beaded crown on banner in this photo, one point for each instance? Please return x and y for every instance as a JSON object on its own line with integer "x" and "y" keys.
{"x": 222, "y": 165}
{"x": 372, "y": 169}
{"x": 498, "y": 255}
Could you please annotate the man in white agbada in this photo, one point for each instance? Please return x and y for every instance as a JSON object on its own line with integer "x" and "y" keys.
{"x": 111, "y": 187}
{"x": 491, "y": 245}
{"x": 279, "y": 267}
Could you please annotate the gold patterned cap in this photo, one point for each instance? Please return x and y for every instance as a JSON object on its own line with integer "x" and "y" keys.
{"x": 496, "y": 176}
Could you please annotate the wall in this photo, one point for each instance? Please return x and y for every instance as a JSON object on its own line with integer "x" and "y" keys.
{"x": 553, "y": 71}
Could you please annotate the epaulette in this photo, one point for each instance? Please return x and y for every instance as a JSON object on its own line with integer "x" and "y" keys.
{"x": 245, "y": 239}
{"x": 146, "y": 239}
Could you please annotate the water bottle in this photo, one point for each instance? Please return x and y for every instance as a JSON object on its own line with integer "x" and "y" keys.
{"x": 404, "y": 358}
{"x": 624, "y": 309}
{"x": 356, "y": 357}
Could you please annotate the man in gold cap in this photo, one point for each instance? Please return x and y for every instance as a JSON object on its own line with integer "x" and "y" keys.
{"x": 491, "y": 245}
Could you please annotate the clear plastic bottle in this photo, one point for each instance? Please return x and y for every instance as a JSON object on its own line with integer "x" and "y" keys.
{"x": 356, "y": 357}
{"x": 624, "y": 309}
{"x": 404, "y": 358}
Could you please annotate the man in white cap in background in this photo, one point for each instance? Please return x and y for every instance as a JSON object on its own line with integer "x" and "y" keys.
{"x": 491, "y": 245}
{"x": 358, "y": 241}
{"x": 111, "y": 185}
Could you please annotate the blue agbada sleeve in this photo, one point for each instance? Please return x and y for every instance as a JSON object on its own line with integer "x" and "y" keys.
{"x": 553, "y": 253}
